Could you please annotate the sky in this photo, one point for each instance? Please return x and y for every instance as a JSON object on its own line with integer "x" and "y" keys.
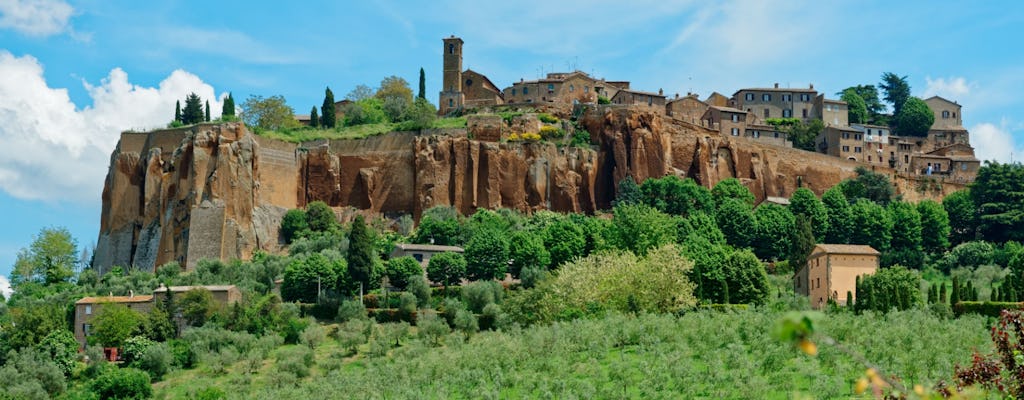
{"x": 74, "y": 74}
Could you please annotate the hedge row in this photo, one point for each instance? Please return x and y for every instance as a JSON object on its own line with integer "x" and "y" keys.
{"x": 987, "y": 308}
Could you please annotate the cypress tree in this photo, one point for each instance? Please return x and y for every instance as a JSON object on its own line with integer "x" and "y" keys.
{"x": 360, "y": 251}
{"x": 207, "y": 111}
{"x": 177, "y": 110}
{"x": 228, "y": 109}
{"x": 327, "y": 117}
{"x": 860, "y": 294}
{"x": 942, "y": 293}
{"x": 849, "y": 300}
{"x": 193, "y": 111}
{"x": 932, "y": 294}
{"x": 955, "y": 296}
{"x": 968, "y": 293}
{"x": 995, "y": 294}
{"x": 314, "y": 120}
{"x": 725, "y": 292}
{"x": 423, "y": 85}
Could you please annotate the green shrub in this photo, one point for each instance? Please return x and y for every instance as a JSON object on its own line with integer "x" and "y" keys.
{"x": 351, "y": 309}
{"x": 156, "y": 360}
{"x": 295, "y": 360}
{"x": 183, "y": 354}
{"x": 466, "y": 322}
{"x": 478, "y": 295}
{"x": 134, "y": 347}
{"x": 312, "y": 336}
{"x": 407, "y": 306}
{"x": 492, "y": 317}
{"x": 986, "y": 308}
{"x": 530, "y": 277}
{"x": 420, "y": 288}
{"x": 122, "y": 384}
{"x": 402, "y": 270}
{"x": 450, "y": 308}
{"x": 581, "y": 138}
{"x": 353, "y": 333}
{"x": 603, "y": 100}
{"x": 547, "y": 118}
{"x": 730, "y": 308}
{"x": 432, "y": 327}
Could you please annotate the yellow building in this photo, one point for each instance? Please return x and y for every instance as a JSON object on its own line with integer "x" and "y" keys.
{"x": 832, "y": 271}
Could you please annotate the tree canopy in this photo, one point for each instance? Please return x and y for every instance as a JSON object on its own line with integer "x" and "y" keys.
{"x": 327, "y": 115}
{"x": 858, "y": 109}
{"x": 270, "y": 113}
{"x": 998, "y": 195}
{"x": 914, "y": 119}
{"x": 896, "y": 89}
{"x": 49, "y": 259}
{"x": 193, "y": 111}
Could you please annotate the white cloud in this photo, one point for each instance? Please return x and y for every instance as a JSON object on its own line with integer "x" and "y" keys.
{"x": 35, "y": 17}
{"x": 52, "y": 150}
{"x": 5, "y": 287}
{"x": 953, "y": 88}
{"x": 992, "y": 142}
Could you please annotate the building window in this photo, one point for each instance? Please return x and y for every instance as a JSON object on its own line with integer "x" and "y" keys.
{"x": 586, "y": 89}
{"x": 805, "y": 97}
{"x": 766, "y": 97}
{"x": 805, "y": 113}
{"x": 735, "y": 118}
{"x": 846, "y": 148}
{"x": 906, "y": 159}
{"x": 749, "y": 97}
{"x": 513, "y": 91}
{"x": 776, "y": 135}
{"x": 572, "y": 88}
{"x": 787, "y": 113}
{"x": 857, "y": 149}
{"x": 451, "y": 48}
{"x": 945, "y": 114}
{"x": 469, "y": 82}
{"x": 767, "y": 114}
{"x": 87, "y": 329}
{"x": 735, "y": 131}
{"x": 846, "y": 135}
{"x": 856, "y": 136}
{"x": 869, "y": 159}
{"x": 551, "y": 88}
{"x": 88, "y": 310}
{"x": 757, "y": 134}
{"x": 451, "y": 103}
{"x": 787, "y": 97}
{"x": 963, "y": 166}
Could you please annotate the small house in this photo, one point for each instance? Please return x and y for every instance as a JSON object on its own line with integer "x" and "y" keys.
{"x": 832, "y": 271}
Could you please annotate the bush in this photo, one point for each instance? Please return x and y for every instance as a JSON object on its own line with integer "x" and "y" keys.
{"x": 351, "y": 309}
{"x": 432, "y": 328}
{"x": 547, "y": 118}
{"x": 447, "y": 268}
{"x": 492, "y": 317}
{"x": 182, "y": 353}
{"x": 603, "y": 100}
{"x": 530, "y": 277}
{"x": 466, "y": 322}
{"x": 134, "y": 348}
{"x": 986, "y": 308}
{"x": 420, "y": 288}
{"x": 156, "y": 360}
{"x": 294, "y": 225}
{"x": 450, "y": 308}
{"x": 295, "y": 360}
{"x": 478, "y": 295}
{"x": 312, "y": 336}
{"x": 407, "y": 306}
{"x": 353, "y": 333}
{"x": 122, "y": 384}
{"x": 402, "y": 270}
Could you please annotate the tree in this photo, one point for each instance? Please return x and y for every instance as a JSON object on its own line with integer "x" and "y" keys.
{"x": 905, "y": 247}
{"x": 30, "y": 323}
{"x": 746, "y": 278}
{"x": 565, "y": 241}
{"x": 894, "y": 287}
{"x": 868, "y": 185}
{"x": 328, "y": 117}
{"x": 871, "y": 225}
{"x": 122, "y": 384}
{"x": 773, "y": 230}
{"x": 197, "y": 306}
{"x": 271, "y": 113}
{"x": 207, "y": 114}
{"x": 963, "y": 226}
{"x": 423, "y": 85}
{"x": 628, "y": 192}
{"x": 915, "y": 118}
{"x": 802, "y": 243}
{"x": 396, "y": 95}
{"x": 421, "y": 115}
{"x": 935, "y": 227}
{"x": 896, "y": 89}
{"x": 228, "y": 108}
{"x": 869, "y": 94}
{"x": 804, "y": 202}
{"x": 114, "y": 323}
{"x": 998, "y": 194}
{"x": 672, "y": 195}
{"x": 60, "y": 347}
{"x": 708, "y": 274}
{"x": 639, "y": 228}
{"x": 306, "y": 277}
{"x": 361, "y": 252}
{"x": 360, "y": 92}
{"x": 448, "y": 268}
{"x": 802, "y": 133}
{"x": 177, "y": 110}
{"x": 314, "y": 118}
{"x": 49, "y": 260}
{"x": 487, "y": 255}
{"x": 736, "y": 220}
{"x": 320, "y": 217}
{"x": 858, "y": 109}
{"x": 526, "y": 250}
{"x": 193, "y": 111}
{"x": 402, "y": 270}
{"x": 731, "y": 188}
{"x": 440, "y": 226}
{"x": 294, "y": 225}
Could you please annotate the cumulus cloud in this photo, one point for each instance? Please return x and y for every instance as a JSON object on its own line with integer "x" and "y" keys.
{"x": 5, "y": 287}
{"x": 952, "y": 88}
{"x": 995, "y": 142}
{"x": 36, "y": 17}
{"x": 53, "y": 150}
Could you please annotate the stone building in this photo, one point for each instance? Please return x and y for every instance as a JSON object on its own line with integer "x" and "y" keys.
{"x": 631, "y": 97}
{"x": 563, "y": 88}
{"x": 767, "y": 134}
{"x": 776, "y": 102}
{"x": 832, "y": 271}
{"x": 841, "y": 141}
{"x": 717, "y": 99}
{"x": 830, "y": 112}
{"x": 688, "y": 108}
{"x": 876, "y": 144}
{"x": 460, "y": 89}
{"x": 726, "y": 120}
{"x": 422, "y": 252}
{"x": 87, "y": 308}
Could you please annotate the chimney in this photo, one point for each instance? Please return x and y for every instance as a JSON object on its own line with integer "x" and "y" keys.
{"x": 812, "y": 86}
{"x": 677, "y": 95}
{"x": 661, "y": 92}
{"x": 776, "y": 85}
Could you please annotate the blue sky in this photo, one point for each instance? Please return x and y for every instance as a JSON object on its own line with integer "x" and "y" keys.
{"x": 75, "y": 73}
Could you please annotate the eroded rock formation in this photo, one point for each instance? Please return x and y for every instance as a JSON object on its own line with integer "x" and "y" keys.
{"x": 217, "y": 191}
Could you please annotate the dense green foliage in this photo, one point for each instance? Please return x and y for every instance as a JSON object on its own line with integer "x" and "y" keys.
{"x": 487, "y": 255}
{"x": 447, "y": 268}
{"x": 270, "y": 113}
{"x": 193, "y": 111}
{"x": 361, "y": 254}
{"x": 914, "y": 119}
{"x": 889, "y": 288}
{"x": 403, "y": 270}
{"x": 896, "y": 89}
{"x": 804, "y": 202}
{"x": 998, "y": 194}
{"x": 857, "y": 108}
{"x": 228, "y": 108}
{"x": 328, "y": 118}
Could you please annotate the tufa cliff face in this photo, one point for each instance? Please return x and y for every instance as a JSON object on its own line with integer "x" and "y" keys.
{"x": 217, "y": 191}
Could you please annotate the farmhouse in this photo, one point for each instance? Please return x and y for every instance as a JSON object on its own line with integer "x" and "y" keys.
{"x": 832, "y": 271}
{"x": 87, "y": 308}
{"x": 422, "y": 252}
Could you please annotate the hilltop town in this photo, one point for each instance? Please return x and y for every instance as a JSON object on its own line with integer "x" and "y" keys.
{"x": 944, "y": 153}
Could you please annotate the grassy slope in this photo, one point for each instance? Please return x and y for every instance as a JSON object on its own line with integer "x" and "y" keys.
{"x": 304, "y": 134}
{"x": 699, "y": 355}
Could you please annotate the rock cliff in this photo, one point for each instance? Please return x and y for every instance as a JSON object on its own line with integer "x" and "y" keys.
{"x": 217, "y": 191}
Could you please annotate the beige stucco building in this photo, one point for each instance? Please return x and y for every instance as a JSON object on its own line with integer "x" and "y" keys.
{"x": 832, "y": 271}
{"x": 562, "y": 88}
{"x": 688, "y": 108}
{"x": 776, "y": 102}
{"x": 422, "y": 252}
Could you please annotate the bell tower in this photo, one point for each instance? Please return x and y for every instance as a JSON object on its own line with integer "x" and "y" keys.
{"x": 452, "y": 97}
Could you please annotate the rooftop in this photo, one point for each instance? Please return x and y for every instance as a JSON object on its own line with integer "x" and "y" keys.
{"x": 847, "y": 249}
{"x": 116, "y": 299}
{"x": 212, "y": 288}
{"x": 427, "y": 247}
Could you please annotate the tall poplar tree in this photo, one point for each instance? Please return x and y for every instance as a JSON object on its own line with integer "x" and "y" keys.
{"x": 423, "y": 85}
{"x": 228, "y": 109}
{"x": 327, "y": 117}
{"x": 314, "y": 119}
{"x": 177, "y": 110}
{"x": 207, "y": 111}
{"x": 360, "y": 255}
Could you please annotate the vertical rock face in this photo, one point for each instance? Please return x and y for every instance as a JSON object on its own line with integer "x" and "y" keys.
{"x": 216, "y": 191}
